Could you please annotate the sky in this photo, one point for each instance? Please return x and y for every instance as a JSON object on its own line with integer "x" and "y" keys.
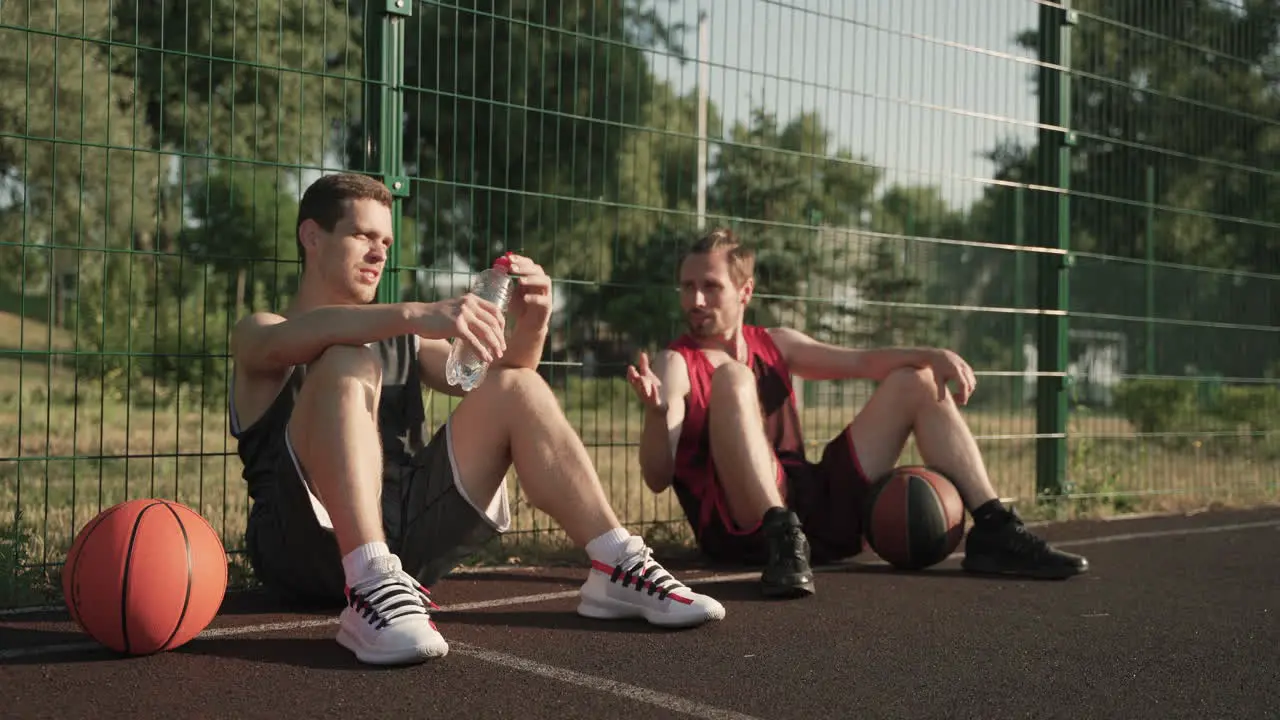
{"x": 919, "y": 87}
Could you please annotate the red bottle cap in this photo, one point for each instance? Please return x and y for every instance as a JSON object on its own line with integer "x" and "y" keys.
{"x": 503, "y": 262}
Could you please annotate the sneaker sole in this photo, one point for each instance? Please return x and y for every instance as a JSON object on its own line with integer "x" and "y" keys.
{"x": 616, "y": 610}
{"x": 406, "y": 656}
{"x": 984, "y": 567}
{"x": 797, "y": 590}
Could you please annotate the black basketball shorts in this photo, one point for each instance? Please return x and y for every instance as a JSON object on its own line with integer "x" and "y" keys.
{"x": 429, "y": 521}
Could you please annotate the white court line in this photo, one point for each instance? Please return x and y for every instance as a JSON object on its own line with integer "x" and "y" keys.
{"x": 674, "y": 703}
{"x": 1120, "y": 537}
{"x": 521, "y": 600}
{"x": 544, "y": 597}
{"x": 612, "y": 687}
{"x": 1169, "y": 533}
{"x": 237, "y": 630}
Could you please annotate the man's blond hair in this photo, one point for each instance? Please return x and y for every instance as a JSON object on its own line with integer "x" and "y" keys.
{"x": 741, "y": 257}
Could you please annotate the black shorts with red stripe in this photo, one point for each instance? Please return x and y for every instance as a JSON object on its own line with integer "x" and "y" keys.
{"x": 826, "y": 495}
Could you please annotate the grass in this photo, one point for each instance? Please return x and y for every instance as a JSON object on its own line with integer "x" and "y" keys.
{"x": 69, "y": 450}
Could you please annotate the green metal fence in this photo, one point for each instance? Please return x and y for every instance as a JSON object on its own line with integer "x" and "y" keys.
{"x": 1082, "y": 202}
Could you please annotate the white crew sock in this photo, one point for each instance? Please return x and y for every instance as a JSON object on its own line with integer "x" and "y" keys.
{"x": 356, "y": 563}
{"x": 609, "y": 546}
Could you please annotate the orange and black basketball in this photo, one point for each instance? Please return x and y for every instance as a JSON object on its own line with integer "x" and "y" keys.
{"x": 914, "y": 517}
{"x": 145, "y": 576}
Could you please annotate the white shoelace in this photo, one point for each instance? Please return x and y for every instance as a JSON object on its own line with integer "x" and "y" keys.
{"x": 641, "y": 569}
{"x": 383, "y": 598}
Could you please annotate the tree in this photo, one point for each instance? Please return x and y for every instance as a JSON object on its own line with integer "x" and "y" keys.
{"x": 245, "y": 232}
{"x": 272, "y": 82}
{"x": 69, "y": 185}
{"x": 649, "y": 228}
{"x": 892, "y": 275}
{"x": 1185, "y": 91}
{"x": 1188, "y": 89}
{"x": 784, "y": 182}
{"x": 517, "y": 114}
{"x": 264, "y": 82}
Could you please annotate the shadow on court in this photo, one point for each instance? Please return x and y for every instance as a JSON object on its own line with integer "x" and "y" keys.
{"x": 1177, "y": 618}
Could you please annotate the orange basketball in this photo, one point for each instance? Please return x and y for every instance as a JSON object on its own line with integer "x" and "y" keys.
{"x": 914, "y": 517}
{"x": 145, "y": 576}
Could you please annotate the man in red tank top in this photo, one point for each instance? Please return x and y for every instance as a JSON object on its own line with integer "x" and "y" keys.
{"x": 721, "y": 428}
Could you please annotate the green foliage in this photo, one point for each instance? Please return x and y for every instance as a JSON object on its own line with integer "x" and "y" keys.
{"x": 1158, "y": 406}
{"x": 1096, "y": 477}
{"x": 1183, "y": 414}
{"x": 1184, "y": 93}
{"x": 599, "y": 394}
{"x": 154, "y": 250}
{"x": 1137, "y": 66}
{"x": 21, "y": 583}
{"x": 245, "y": 232}
{"x": 888, "y": 285}
{"x": 68, "y": 177}
{"x": 1256, "y": 409}
{"x": 641, "y": 302}
{"x": 781, "y": 184}
{"x": 516, "y": 112}
{"x": 262, "y": 81}
{"x": 150, "y": 325}
{"x": 155, "y": 175}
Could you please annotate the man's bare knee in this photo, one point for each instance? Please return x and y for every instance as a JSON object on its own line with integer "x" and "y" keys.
{"x": 519, "y": 379}
{"x": 342, "y": 374}
{"x": 735, "y": 401}
{"x": 911, "y": 379}
{"x": 732, "y": 379}
{"x": 911, "y": 388}
{"x": 512, "y": 394}
{"x": 342, "y": 384}
{"x": 519, "y": 386}
{"x": 341, "y": 362}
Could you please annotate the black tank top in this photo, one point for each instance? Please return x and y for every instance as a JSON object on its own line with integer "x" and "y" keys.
{"x": 401, "y": 416}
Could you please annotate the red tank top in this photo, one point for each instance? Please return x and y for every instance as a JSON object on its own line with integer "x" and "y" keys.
{"x": 695, "y": 481}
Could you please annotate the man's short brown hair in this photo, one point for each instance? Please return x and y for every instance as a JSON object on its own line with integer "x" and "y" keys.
{"x": 325, "y": 201}
{"x": 741, "y": 257}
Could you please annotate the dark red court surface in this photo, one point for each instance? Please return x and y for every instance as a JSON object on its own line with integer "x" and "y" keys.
{"x": 1178, "y": 618}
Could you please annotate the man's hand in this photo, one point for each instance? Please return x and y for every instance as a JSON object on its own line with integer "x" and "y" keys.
{"x": 646, "y": 384}
{"x": 478, "y": 322}
{"x": 531, "y": 297}
{"x": 948, "y": 366}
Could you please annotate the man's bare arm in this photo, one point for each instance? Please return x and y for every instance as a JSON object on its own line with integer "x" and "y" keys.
{"x": 525, "y": 344}
{"x": 664, "y": 421}
{"x": 814, "y": 360}
{"x": 266, "y": 342}
{"x": 433, "y": 356}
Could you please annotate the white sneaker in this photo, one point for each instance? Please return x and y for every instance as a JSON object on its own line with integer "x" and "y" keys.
{"x": 386, "y": 620}
{"x": 637, "y": 586}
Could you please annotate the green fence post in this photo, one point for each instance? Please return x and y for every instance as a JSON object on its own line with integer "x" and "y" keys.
{"x": 1019, "y": 298}
{"x": 1151, "y": 270}
{"x": 384, "y": 35}
{"x": 1055, "y": 140}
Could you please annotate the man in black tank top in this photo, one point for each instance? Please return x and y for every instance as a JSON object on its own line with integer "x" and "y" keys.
{"x": 352, "y": 505}
{"x": 753, "y": 441}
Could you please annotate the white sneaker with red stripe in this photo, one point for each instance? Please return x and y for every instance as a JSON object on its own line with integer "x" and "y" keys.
{"x": 387, "y": 620}
{"x": 636, "y": 586}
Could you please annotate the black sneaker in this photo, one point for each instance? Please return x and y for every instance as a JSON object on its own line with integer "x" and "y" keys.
{"x": 1009, "y": 548}
{"x": 787, "y": 572}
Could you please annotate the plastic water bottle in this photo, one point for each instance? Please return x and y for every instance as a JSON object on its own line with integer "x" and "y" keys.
{"x": 464, "y": 368}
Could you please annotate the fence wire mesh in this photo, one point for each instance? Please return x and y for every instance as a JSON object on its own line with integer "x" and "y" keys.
{"x": 1080, "y": 201}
